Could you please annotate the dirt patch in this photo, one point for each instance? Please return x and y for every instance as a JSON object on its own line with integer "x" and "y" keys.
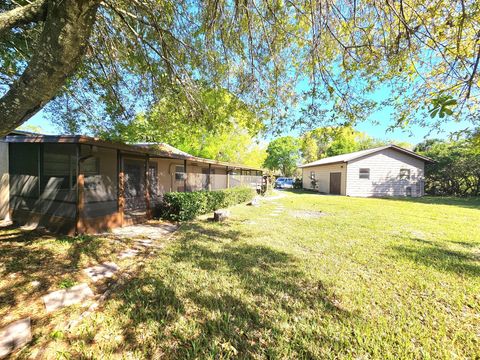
{"x": 307, "y": 214}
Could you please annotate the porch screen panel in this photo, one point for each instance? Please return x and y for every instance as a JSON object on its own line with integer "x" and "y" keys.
{"x": 58, "y": 181}
{"x": 135, "y": 202}
{"x": 24, "y": 176}
{"x": 99, "y": 168}
{"x": 235, "y": 178}
{"x": 43, "y": 179}
{"x": 218, "y": 178}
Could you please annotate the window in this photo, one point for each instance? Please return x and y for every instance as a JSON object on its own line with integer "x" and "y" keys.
{"x": 364, "y": 173}
{"x": 179, "y": 173}
{"x": 405, "y": 174}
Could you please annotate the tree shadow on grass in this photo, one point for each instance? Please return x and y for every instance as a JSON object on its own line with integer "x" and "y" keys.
{"x": 237, "y": 320}
{"x": 436, "y": 256}
{"x": 33, "y": 262}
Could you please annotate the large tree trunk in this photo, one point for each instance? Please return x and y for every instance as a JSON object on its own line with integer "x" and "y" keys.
{"x": 67, "y": 26}
{"x": 22, "y": 15}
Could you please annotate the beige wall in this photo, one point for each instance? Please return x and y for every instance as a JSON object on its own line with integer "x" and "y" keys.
{"x": 385, "y": 179}
{"x": 166, "y": 175}
{"x": 322, "y": 175}
{"x": 4, "y": 182}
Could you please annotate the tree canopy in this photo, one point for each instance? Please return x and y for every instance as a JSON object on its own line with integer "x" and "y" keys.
{"x": 227, "y": 132}
{"x": 456, "y": 167}
{"x": 106, "y": 61}
{"x": 283, "y": 154}
{"x": 336, "y": 140}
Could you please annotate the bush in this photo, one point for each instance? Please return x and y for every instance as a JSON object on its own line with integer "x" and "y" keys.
{"x": 298, "y": 184}
{"x": 181, "y": 206}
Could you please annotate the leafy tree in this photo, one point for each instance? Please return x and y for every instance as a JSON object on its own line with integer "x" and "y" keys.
{"x": 456, "y": 167}
{"x": 31, "y": 128}
{"x": 226, "y": 133}
{"x": 330, "y": 141}
{"x": 108, "y": 60}
{"x": 283, "y": 154}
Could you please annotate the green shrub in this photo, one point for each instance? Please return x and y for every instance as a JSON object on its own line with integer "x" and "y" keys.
{"x": 181, "y": 206}
{"x": 298, "y": 184}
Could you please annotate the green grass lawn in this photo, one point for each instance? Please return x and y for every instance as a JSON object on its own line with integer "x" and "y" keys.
{"x": 373, "y": 278}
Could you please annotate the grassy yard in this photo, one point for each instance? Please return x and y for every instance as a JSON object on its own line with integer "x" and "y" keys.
{"x": 33, "y": 263}
{"x": 372, "y": 278}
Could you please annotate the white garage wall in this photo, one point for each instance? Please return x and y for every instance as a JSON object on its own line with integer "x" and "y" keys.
{"x": 322, "y": 175}
{"x": 4, "y": 182}
{"x": 385, "y": 179}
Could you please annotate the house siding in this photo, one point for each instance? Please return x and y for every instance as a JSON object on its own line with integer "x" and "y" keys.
{"x": 4, "y": 182}
{"x": 166, "y": 175}
{"x": 322, "y": 175}
{"x": 384, "y": 178}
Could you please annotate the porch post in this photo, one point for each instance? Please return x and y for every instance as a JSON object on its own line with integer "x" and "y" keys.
{"x": 121, "y": 188}
{"x": 80, "y": 195}
{"x": 209, "y": 177}
{"x": 147, "y": 187}
{"x": 186, "y": 175}
{"x": 228, "y": 179}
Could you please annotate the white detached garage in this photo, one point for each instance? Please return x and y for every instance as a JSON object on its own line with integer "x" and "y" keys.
{"x": 384, "y": 171}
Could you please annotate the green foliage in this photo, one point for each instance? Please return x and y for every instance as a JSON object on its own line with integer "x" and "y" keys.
{"x": 330, "y": 141}
{"x": 442, "y": 105}
{"x": 67, "y": 283}
{"x": 183, "y": 206}
{"x": 264, "y": 52}
{"x": 57, "y": 335}
{"x": 456, "y": 170}
{"x": 31, "y": 128}
{"x": 225, "y": 131}
{"x": 298, "y": 184}
{"x": 283, "y": 154}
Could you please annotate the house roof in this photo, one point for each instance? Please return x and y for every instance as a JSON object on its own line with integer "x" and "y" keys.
{"x": 159, "y": 150}
{"x": 163, "y": 147}
{"x": 358, "y": 154}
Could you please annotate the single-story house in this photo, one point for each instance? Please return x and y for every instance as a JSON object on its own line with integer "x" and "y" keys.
{"x": 383, "y": 171}
{"x": 80, "y": 184}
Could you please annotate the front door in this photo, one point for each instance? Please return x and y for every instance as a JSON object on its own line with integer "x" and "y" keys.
{"x": 135, "y": 202}
{"x": 335, "y": 183}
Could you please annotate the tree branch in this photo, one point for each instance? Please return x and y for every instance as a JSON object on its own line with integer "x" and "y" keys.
{"x": 23, "y": 15}
{"x": 57, "y": 54}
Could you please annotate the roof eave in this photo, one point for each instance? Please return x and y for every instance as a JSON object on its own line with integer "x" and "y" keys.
{"x": 329, "y": 163}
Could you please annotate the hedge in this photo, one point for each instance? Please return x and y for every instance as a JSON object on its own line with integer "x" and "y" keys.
{"x": 181, "y": 206}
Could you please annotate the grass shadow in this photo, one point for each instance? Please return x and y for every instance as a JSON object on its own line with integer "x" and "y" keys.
{"x": 218, "y": 322}
{"x": 434, "y": 255}
{"x": 33, "y": 262}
